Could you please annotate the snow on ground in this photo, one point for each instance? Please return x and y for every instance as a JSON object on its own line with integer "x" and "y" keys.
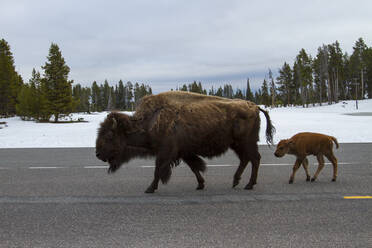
{"x": 329, "y": 119}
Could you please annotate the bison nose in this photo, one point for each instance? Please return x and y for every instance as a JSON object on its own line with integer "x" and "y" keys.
{"x": 276, "y": 154}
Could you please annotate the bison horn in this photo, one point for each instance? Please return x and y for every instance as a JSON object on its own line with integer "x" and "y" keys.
{"x": 114, "y": 123}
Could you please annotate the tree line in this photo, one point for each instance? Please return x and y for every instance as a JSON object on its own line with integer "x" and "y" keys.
{"x": 331, "y": 75}
{"x": 52, "y": 95}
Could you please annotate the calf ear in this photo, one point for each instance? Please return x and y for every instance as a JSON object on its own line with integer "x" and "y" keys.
{"x": 290, "y": 143}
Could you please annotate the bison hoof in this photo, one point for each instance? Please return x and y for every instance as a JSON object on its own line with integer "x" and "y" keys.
{"x": 200, "y": 187}
{"x": 334, "y": 180}
{"x": 313, "y": 179}
{"x": 248, "y": 186}
{"x": 150, "y": 191}
{"x": 236, "y": 182}
{"x": 290, "y": 181}
{"x": 307, "y": 179}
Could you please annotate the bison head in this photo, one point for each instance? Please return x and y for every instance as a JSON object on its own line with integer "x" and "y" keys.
{"x": 283, "y": 148}
{"x": 112, "y": 140}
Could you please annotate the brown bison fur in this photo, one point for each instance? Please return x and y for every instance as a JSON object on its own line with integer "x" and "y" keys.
{"x": 303, "y": 144}
{"x": 174, "y": 126}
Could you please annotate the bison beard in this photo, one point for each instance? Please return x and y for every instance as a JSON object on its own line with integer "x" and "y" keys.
{"x": 176, "y": 126}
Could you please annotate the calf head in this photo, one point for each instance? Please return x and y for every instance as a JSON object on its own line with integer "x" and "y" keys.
{"x": 111, "y": 141}
{"x": 283, "y": 147}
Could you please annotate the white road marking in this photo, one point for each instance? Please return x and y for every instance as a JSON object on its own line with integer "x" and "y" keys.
{"x": 44, "y": 167}
{"x": 96, "y": 167}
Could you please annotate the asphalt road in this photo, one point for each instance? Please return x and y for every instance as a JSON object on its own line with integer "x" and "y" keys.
{"x": 65, "y": 198}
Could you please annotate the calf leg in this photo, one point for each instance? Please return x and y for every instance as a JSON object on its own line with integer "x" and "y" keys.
{"x": 295, "y": 168}
{"x": 320, "y": 166}
{"x": 305, "y": 164}
{"x": 196, "y": 164}
{"x": 333, "y": 160}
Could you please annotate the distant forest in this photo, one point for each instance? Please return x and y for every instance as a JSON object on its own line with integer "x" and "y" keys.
{"x": 330, "y": 76}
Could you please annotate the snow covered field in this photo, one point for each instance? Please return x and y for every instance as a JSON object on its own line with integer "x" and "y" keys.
{"x": 334, "y": 120}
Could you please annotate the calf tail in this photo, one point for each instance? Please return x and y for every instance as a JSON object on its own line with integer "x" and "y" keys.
{"x": 335, "y": 140}
{"x": 270, "y": 129}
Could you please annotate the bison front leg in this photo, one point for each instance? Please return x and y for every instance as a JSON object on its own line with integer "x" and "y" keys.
{"x": 305, "y": 164}
{"x": 162, "y": 171}
{"x": 196, "y": 165}
{"x": 295, "y": 168}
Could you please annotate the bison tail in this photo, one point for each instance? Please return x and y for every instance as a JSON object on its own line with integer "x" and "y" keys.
{"x": 270, "y": 129}
{"x": 335, "y": 140}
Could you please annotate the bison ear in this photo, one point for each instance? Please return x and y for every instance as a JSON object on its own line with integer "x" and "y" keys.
{"x": 114, "y": 123}
{"x": 113, "y": 117}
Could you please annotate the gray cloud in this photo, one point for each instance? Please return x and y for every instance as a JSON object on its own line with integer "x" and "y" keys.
{"x": 167, "y": 43}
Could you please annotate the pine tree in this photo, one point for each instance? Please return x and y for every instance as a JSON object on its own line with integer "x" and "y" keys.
{"x": 358, "y": 63}
{"x": 10, "y": 82}
{"x": 248, "y": 94}
{"x": 265, "y": 98}
{"x": 58, "y": 90}
{"x": 272, "y": 89}
{"x": 239, "y": 94}
{"x": 285, "y": 82}
{"x": 303, "y": 70}
{"x": 23, "y": 106}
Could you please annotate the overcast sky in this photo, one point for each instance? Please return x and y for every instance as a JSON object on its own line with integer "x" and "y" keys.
{"x": 166, "y": 43}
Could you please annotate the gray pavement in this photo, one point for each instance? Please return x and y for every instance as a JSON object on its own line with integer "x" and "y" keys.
{"x": 65, "y": 198}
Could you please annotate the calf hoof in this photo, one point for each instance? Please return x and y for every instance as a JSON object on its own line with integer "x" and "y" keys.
{"x": 290, "y": 181}
{"x": 150, "y": 190}
{"x": 248, "y": 186}
{"x": 334, "y": 180}
{"x": 307, "y": 179}
{"x": 200, "y": 187}
{"x": 313, "y": 179}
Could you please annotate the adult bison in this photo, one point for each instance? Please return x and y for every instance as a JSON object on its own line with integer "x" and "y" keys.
{"x": 174, "y": 126}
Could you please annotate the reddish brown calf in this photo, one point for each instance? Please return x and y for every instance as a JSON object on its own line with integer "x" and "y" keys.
{"x": 304, "y": 144}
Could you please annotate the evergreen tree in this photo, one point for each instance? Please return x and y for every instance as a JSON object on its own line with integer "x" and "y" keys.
{"x": 96, "y": 98}
{"x": 248, "y": 94}
{"x": 272, "y": 89}
{"x": 120, "y": 98}
{"x": 219, "y": 92}
{"x": 285, "y": 82}
{"x": 303, "y": 70}
{"x": 228, "y": 91}
{"x": 58, "y": 90}
{"x": 358, "y": 65}
{"x": 38, "y": 99}
{"x": 239, "y": 94}
{"x": 24, "y": 104}
{"x": 10, "y": 82}
{"x": 264, "y": 96}
{"x": 129, "y": 96}
{"x": 184, "y": 88}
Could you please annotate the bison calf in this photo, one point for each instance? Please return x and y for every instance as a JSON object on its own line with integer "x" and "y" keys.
{"x": 303, "y": 144}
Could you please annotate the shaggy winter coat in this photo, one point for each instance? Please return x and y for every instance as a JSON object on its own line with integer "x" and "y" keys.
{"x": 179, "y": 125}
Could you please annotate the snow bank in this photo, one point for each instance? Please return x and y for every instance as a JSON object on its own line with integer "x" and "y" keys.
{"x": 328, "y": 119}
